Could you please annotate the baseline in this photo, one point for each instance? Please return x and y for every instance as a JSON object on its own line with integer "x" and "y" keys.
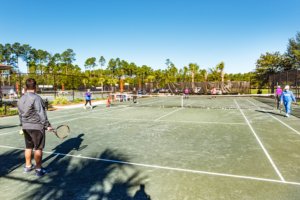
{"x": 169, "y": 168}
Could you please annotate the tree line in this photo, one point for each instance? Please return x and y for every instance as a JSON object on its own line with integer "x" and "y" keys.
{"x": 101, "y": 71}
{"x": 272, "y": 63}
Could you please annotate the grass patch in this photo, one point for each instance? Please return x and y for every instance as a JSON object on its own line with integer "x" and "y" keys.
{"x": 60, "y": 101}
{"x": 8, "y": 111}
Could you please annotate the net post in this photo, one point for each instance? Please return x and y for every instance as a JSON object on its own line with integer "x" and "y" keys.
{"x": 182, "y": 101}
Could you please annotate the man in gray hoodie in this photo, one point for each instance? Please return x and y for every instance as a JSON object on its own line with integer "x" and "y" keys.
{"x": 34, "y": 121}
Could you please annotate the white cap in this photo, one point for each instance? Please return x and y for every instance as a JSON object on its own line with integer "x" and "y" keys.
{"x": 287, "y": 87}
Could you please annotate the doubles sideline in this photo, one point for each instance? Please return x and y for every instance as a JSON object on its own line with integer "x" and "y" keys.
{"x": 288, "y": 126}
{"x": 260, "y": 143}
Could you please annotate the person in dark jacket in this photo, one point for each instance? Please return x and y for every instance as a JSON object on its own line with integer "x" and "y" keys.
{"x": 34, "y": 121}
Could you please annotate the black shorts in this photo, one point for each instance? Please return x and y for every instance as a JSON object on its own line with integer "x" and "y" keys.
{"x": 34, "y": 139}
{"x": 88, "y": 101}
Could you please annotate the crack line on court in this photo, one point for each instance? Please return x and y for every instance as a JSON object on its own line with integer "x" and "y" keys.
{"x": 260, "y": 143}
{"x": 288, "y": 126}
{"x": 167, "y": 114}
{"x": 168, "y": 168}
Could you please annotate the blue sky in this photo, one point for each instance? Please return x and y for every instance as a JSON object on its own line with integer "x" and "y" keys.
{"x": 148, "y": 32}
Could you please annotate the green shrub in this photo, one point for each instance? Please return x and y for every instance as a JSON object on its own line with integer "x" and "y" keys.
{"x": 77, "y": 100}
{"x": 60, "y": 101}
{"x": 100, "y": 98}
{"x": 9, "y": 111}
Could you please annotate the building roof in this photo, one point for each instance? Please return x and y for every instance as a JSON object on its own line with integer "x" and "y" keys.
{"x": 5, "y": 67}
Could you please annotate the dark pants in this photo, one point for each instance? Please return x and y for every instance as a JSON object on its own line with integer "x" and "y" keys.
{"x": 277, "y": 101}
{"x": 88, "y": 101}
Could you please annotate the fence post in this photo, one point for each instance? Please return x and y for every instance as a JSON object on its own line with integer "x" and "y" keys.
{"x": 54, "y": 85}
{"x": 297, "y": 92}
{"x": 73, "y": 87}
{"x": 5, "y": 109}
{"x": 20, "y": 85}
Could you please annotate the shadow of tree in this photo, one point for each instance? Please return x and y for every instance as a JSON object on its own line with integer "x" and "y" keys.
{"x": 106, "y": 176}
{"x": 11, "y": 160}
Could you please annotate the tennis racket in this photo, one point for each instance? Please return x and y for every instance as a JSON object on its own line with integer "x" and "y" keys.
{"x": 62, "y": 131}
{"x": 82, "y": 147}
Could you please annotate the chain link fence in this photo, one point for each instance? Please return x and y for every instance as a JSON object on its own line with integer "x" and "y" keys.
{"x": 291, "y": 78}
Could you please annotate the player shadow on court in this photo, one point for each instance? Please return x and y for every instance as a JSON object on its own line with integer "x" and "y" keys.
{"x": 270, "y": 112}
{"x": 10, "y": 161}
{"x": 141, "y": 194}
{"x": 66, "y": 148}
{"x": 97, "y": 176}
{"x": 9, "y": 126}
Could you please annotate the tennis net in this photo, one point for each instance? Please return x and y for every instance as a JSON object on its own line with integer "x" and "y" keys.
{"x": 266, "y": 101}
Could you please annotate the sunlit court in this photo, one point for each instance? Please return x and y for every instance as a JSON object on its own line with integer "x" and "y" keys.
{"x": 150, "y": 100}
{"x": 250, "y": 149}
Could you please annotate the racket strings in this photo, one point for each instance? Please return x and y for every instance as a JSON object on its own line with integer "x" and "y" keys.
{"x": 62, "y": 131}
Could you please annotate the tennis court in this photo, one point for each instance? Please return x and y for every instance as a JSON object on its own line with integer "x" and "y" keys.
{"x": 244, "y": 150}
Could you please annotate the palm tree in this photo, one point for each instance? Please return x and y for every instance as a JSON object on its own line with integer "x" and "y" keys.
{"x": 220, "y": 67}
{"x": 193, "y": 68}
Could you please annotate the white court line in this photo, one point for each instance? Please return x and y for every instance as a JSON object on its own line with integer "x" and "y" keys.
{"x": 167, "y": 114}
{"x": 86, "y": 116}
{"x": 81, "y": 112}
{"x": 260, "y": 143}
{"x": 67, "y": 120}
{"x": 168, "y": 168}
{"x": 173, "y": 121}
{"x": 150, "y": 102}
{"x": 297, "y": 132}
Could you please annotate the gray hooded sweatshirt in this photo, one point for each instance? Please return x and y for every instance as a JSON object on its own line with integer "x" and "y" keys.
{"x": 32, "y": 112}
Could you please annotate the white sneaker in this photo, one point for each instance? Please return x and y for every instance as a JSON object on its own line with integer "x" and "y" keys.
{"x": 287, "y": 115}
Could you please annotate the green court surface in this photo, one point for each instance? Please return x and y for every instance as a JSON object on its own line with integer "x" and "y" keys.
{"x": 166, "y": 153}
